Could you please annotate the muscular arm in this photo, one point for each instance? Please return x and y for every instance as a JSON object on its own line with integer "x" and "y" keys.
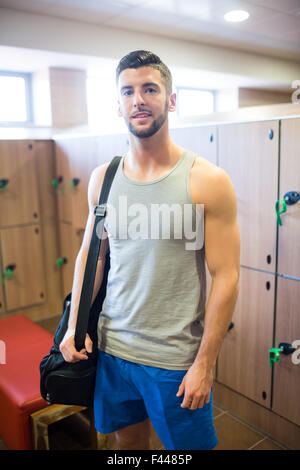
{"x": 67, "y": 346}
{"x": 222, "y": 251}
{"x": 95, "y": 183}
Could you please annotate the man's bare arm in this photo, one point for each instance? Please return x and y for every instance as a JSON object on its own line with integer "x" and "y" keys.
{"x": 222, "y": 249}
{"x": 67, "y": 346}
{"x": 222, "y": 252}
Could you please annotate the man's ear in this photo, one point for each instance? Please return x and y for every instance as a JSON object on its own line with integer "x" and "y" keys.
{"x": 172, "y": 102}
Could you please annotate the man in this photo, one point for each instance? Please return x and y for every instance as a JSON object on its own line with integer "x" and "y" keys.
{"x": 158, "y": 344}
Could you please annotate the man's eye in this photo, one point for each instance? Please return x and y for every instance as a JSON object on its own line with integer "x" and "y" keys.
{"x": 127, "y": 93}
{"x": 151, "y": 90}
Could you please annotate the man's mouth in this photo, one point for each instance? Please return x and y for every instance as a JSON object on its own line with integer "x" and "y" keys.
{"x": 141, "y": 115}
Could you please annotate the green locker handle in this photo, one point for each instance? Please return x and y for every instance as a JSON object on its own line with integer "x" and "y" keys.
{"x": 61, "y": 261}
{"x": 8, "y": 273}
{"x": 284, "y": 348}
{"x": 274, "y": 355}
{"x": 278, "y": 212}
{"x": 74, "y": 183}
{"x": 56, "y": 182}
{"x": 3, "y": 185}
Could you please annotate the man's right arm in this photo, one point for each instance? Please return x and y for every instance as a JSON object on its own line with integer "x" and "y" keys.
{"x": 67, "y": 346}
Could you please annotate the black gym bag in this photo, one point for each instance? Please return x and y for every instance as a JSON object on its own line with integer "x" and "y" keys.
{"x": 71, "y": 383}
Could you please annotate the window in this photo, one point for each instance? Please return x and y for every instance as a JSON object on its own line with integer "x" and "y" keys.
{"x": 195, "y": 102}
{"x": 15, "y": 98}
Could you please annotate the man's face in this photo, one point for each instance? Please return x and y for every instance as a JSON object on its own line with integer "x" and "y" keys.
{"x": 143, "y": 101}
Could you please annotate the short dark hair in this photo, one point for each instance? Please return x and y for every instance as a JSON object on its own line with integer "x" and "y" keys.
{"x": 142, "y": 58}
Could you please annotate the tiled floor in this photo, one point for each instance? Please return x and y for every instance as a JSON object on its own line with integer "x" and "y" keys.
{"x": 232, "y": 433}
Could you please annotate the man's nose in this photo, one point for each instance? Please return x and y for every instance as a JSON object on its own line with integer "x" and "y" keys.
{"x": 138, "y": 99}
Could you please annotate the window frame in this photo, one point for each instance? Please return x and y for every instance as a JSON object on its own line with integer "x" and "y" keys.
{"x": 28, "y": 98}
{"x": 178, "y": 88}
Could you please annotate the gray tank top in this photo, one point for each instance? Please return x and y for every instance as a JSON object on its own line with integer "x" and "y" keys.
{"x": 156, "y": 291}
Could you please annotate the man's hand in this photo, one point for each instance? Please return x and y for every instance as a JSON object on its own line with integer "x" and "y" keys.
{"x": 196, "y": 386}
{"x": 68, "y": 350}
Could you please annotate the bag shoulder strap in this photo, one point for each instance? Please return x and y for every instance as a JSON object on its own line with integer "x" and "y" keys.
{"x": 92, "y": 258}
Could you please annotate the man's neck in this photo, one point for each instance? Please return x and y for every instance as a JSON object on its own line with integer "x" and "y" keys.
{"x": 151, "y": 154}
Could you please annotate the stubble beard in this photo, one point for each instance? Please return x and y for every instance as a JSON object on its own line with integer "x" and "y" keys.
{"x": 154, "y": 127}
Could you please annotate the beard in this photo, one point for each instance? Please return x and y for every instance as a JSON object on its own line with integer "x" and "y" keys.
{"x": 154, "y": 127}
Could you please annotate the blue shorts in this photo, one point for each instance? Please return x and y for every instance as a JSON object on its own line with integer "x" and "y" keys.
{"x": 127, "y": 393}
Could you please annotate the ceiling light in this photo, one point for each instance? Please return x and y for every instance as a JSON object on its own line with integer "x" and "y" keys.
{"x": 236, "y": 15}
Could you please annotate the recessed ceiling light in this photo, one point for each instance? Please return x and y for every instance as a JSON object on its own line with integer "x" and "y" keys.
{"x": 236, "y": 15}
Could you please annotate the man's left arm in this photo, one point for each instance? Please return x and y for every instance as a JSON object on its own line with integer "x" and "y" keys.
{"x": 222, "y": 252}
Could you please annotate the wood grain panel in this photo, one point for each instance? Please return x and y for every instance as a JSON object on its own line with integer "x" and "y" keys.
{"x": 287, "y": 370}
{"x": 45, "y": 162}
{"x": 63, "y": 173}
{"x": 2, "y": 303}
{"x": 257, "y": 415}
{"x": 250, "y": 158}
{"x": 243, "y": 363}
{"x": 76, "y": 158}
{"x": 22, "y": 247}
{"x": 19, "y": 202}
{"x": 67, "y": 251}
{"x": 201, "y": 140}
{"x": 289, "y": 231}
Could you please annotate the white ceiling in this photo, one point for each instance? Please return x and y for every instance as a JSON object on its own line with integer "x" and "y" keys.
{"x": 273, "y": 27}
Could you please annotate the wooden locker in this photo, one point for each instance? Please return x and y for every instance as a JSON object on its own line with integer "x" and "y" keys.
{"x": 287, "y": 370}
{"x": 45, "y": 160}
{"x": 289, "y": 231}
{"x": 201, "y": 140}
{"x": 69, "y": 248}
{"x": 2, "y": 304}
{"x": 248, "y": 152}
{"x": 286, "y": 389}
{"x": 243, "y": 362}
{"x": 84, "y": 155}
{"x": 80, "y": 152}
{"x": 61, "y": 181}
{"x": 22, "y": 253}
{"x": 18, "y": 190}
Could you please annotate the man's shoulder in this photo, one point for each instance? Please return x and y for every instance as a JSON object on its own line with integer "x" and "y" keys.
{"x": 208, "y": 181}
{"x": 95, "y": 183}
{"x": 205, "y": 167}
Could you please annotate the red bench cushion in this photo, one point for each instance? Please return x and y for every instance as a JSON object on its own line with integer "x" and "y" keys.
{"x": 26, "y": 343}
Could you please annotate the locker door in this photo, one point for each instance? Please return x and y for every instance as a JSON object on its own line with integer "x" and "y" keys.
{"x": 63, "y": 176}
{"x": 243, "y": 362}
{"x": 286, "y": 389}
{"x": 18, "y": 183}
{"x": 248, "y": 152}
{"x": 83, "y": 155}
{"x": 201, "y": 140}
{"x": 23, "y": 266}
{"x": 287, "y": 370}
{"x": 2, "y": 304}
{"x": 69, "y": 247}
{"x": 289, "y": 231}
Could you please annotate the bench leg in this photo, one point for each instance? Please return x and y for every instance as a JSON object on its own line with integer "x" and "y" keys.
{"x": 98, "y": 441}
{"x": 40, "y": 420}
{"x": 40, "y": 436}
